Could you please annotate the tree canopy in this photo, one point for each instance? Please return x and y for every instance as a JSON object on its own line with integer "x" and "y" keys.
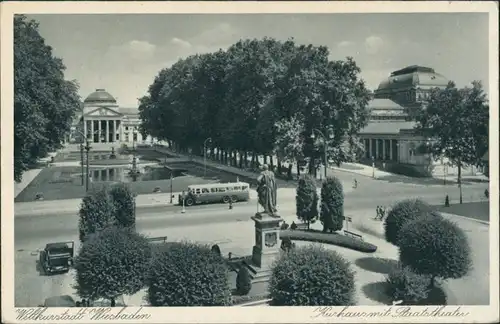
{"x": 262, "y": 96}
{"x": 457, "y": 122}
{"x": 44, "y": 102}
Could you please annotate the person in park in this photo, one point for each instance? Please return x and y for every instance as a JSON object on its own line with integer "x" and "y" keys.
{"x": 355, "y": 184}
{"x": 267, "y": 190}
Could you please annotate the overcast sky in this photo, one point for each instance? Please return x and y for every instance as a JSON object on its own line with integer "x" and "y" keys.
{"x": 123, "y": 53}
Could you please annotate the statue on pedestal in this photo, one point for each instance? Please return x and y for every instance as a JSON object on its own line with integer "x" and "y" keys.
{"x": 266, "y": 190}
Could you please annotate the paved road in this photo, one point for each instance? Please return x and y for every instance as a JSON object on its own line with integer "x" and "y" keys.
{"x": 209, "y": 223}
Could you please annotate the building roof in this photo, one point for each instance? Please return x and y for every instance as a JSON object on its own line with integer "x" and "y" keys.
{"x": 413, "y": 76}
{"x": 100, "y": 96}
{"x": 387, "y": 127}
{"x": 129, "y": 111}
{"x": 383, "y": 104}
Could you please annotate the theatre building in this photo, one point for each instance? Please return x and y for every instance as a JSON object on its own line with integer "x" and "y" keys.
{"x": 104, "y": 122}
{"x": 390, "y": 138}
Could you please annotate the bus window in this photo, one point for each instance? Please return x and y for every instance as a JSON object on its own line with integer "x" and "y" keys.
{"x": 229, "y": 189}
{"x": 244, "y": 188}
{"x": 237, "y": 188}
{"x": 204, "y": 190}
{"x": 197, "y": 190}
{"x": 221, "y": 189}
{"x": 213, "y": 190}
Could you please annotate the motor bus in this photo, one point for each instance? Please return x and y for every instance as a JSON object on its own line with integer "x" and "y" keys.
{"x": 215, "y": 192}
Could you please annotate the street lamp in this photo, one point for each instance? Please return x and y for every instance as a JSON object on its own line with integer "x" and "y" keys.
{"x": 325, "y": 145}
{"x": 87, "y": 148}
{"x": 209, "y": 140}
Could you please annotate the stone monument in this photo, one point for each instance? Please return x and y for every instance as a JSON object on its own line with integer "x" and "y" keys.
{"x": 267, "y": 228}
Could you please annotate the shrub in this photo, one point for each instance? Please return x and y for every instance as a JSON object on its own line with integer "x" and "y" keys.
{"x": 402, "y": 212}
{"x": 97, "y": 211}
{"x": 286, "y": 243}
{"x": 435, "y": 247}
{"x": 334, "y": 239}
{"x": 124, "y": 202}
{"x": 243, "y": 281}
{"x": 332, "y": 205}
{"x": 189, "y": 274}
{"x": 306, "y": 199}
{"x": 311, "y": 276}
{"x": 403, "y": 284}
{"x": 112, "y": 263}
{"x": 216, "y": 249}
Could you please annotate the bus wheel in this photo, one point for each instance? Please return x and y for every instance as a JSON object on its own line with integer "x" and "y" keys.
{"x": 234, "y": 198}
{"x": 225, "y": 199}
{"x": 189, "y": 202}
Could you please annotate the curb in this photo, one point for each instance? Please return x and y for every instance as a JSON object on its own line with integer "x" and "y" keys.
{"x": 255, "y": 303}
{"x": 467, "y": 218}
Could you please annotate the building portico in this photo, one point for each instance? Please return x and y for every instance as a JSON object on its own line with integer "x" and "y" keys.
{"x": 102, "y": 121}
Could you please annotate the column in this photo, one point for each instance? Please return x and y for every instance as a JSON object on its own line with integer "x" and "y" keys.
{"x": 92, "y": 131}
{"x": 100, "y": 130}
{"x": 373, "y": 148}
{"x": 383, "y": 149}
{"x": 367, "y": 148}
{"x": 84, "y": 129}
{"x": 390, "y": 150}
{"x": 114, "y": 130}
{"x": 377, "y": 149}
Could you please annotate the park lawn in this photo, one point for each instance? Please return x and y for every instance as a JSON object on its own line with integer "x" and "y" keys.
{"x": 51, "y": 182}
{"x": 475, "y": 210}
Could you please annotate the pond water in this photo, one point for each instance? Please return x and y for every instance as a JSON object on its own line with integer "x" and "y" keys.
{"x": 103, "y": 155}
{"x": 147, "y": 173}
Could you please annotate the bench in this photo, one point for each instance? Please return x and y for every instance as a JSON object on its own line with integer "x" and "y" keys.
{"x": 351, "y": 234}
{"x": 160, "y": 239}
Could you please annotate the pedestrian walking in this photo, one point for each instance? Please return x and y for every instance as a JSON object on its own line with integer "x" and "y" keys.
{"x": 355, "y": 184}
{"x": 378, "y": 213}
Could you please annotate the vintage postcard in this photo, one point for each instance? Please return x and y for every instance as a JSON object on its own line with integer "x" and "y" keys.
{"x": 183, "y": 162}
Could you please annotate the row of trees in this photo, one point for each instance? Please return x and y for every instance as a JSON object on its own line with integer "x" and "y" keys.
{"x": 260, "y": 96}
{"x": 331, "y": 212}
{"x": 44, "y": 102}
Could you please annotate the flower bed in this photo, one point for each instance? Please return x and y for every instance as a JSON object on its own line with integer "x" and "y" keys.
{"x": 329, "y": 238}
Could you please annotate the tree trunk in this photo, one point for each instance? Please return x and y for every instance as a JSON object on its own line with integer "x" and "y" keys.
{"x": 271, "y": 163}
{"x": 265, "y": 159}
{"x": 113, "y": 302}
{"x": 279, "y": 166}
{"x": 460, "y": 179}
{"x": 298, "y": 170}
{"x": 252, "y": 163}
{"x": 246, "y": 159}
{"x": 241, "y": 160}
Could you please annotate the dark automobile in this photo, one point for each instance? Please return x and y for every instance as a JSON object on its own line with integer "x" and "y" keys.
{"x": 57, "y": 257}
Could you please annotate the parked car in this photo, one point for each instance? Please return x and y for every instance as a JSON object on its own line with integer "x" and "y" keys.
{"x": 57, "y": 257}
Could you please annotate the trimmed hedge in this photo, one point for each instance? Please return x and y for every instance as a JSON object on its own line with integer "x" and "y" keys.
{"x": 312, "y": 276}
{"x": 402, "y": 212}
{"x": 189, "y": 274}
{"x": 435, "y": 247}
{"x": 334, "y": 239}
{"x": 306, "y": 199}
{"x": 403, "y": 284}
{"x": 332, "y": 205}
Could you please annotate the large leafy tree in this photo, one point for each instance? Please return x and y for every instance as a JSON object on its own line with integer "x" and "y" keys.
{"x": 112, "y": 263}
{"x": 456, "y": 122}
{"x": 44, "y": 102}
{"x": 247, "y": 97}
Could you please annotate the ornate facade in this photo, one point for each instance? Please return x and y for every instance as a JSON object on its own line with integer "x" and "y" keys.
{"x": 103, "y": 121}
{"x": 390, "y": 136}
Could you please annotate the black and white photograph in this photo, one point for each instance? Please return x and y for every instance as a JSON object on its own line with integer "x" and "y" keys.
{"x": 326, "y": 156}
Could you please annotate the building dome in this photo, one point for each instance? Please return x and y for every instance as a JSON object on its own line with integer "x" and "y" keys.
{"x": 413, "y": 76}
{"x": 100, "y": 96}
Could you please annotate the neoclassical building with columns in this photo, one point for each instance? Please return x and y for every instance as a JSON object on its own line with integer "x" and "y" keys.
{"x": 389, "y": 136}
{"x": 103, "y": 121}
